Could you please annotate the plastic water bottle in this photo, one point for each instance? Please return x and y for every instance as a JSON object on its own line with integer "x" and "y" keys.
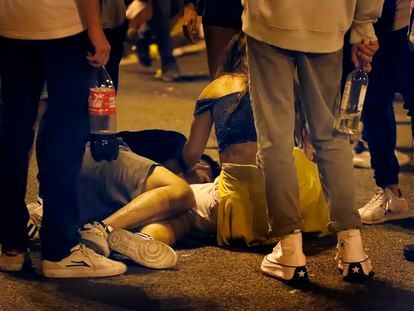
{"x": 352, "y": 102}
{"x": 102, "y": 118}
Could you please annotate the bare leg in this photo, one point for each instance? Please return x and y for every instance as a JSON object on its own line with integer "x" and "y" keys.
{"x": 169, "y": 231}
{"x": 217, "y": 38}
{"x": 164, "y": 195}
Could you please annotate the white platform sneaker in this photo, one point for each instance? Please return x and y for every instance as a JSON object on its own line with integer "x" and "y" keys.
{"x": 287, "y": 261}
{"x": 351, "y": 258}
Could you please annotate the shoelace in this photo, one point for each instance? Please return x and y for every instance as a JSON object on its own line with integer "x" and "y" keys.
{"x": 378, "y": 196}
{"x": 92, "y": 229}
{"x": 87, "y": 252}
{"x": 144, "y": 235}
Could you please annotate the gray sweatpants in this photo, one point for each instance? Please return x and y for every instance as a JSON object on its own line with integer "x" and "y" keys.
{"x": 272, "y": 72}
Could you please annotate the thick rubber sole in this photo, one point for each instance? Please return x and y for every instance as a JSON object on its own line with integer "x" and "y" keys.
{"x": 83, "y": 272}
{"x": 408, "y": 214}
{"x": 357, "y": 271}
{"x": 11, "y": 267}
{"x": 148, "y": 253}
{"x": 16, "y": 267}
{"x": 285, "y": 273}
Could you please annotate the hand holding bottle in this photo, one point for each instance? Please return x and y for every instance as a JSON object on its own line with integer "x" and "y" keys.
{"x": 101, "y": 47}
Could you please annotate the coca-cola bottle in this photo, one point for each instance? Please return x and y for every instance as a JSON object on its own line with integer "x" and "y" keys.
{"x": 352, "y": 102}
{"x": 102, "y": 118}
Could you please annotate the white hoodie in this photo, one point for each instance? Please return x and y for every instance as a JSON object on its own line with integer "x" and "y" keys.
{"x": 316, "y": 26}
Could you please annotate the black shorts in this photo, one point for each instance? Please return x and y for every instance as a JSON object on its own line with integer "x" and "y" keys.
{"x": 222, "y": 13}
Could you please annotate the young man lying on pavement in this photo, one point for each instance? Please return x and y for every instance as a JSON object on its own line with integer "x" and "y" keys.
{"x": 137, "y": 194}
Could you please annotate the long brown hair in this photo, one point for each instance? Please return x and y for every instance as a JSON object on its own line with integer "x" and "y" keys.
{"x": 235, "y": 63}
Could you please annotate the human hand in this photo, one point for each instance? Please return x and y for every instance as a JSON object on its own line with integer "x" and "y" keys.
{"x": 362, "y": 54}
{"x": 198, "y": 174}
{"x": 101, "y": 46}
{"x": 190, "y": 25}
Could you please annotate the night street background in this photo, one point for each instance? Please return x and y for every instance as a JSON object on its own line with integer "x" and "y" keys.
{"x": 211, "y": 278}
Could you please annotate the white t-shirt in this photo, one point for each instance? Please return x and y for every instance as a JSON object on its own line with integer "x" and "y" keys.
{"x": 402, "y": 14}
{"x": 204, "y": 214}
{"x": 39, "y": 19}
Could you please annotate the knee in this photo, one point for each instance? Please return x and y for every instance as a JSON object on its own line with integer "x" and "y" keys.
{"x": 183, "y": 196}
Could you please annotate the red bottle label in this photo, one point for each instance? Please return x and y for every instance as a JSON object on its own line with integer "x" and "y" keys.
{"x": 102, "y": 101}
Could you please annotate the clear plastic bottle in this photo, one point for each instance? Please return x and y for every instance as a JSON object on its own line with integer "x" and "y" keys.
{"x": 352, "y": 102}
{"x": 102, "y": 118}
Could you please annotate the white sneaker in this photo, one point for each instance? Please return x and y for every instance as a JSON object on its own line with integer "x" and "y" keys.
{"x": 384, "y": 206}
{"x": 351, "y": 258}
{"x": 82, "y": 263}
{"x": 287, "y": 261}
{"x": 13, "y": 261}
{"x": 95, "y": 236}
{"x": 362, "y": 159}
{"x": 143, "y": 249}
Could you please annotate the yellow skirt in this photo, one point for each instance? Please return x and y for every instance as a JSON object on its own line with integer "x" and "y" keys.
{"x": 242, "y": 214}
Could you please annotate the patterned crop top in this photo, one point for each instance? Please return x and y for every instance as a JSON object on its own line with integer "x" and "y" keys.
{"x": 231, "y": 126}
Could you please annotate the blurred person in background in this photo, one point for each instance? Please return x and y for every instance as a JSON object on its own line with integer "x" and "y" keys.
{"x": 159, "y": 13}
{"x": 221, "y": 22}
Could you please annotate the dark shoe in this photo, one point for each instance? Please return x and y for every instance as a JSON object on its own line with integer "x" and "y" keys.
{"x": 170, "y": 72}
{"x": 409, "y": 252}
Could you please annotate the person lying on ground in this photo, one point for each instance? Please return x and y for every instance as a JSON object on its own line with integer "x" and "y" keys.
{"x": 129, "y": 193}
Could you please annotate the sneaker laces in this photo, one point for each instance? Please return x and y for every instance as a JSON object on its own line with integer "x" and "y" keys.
{"x": 377, "y": 200}
{"x": 87, "y": 252}
{"x": 144, "y": 235}
{"x": 93, "y": 228}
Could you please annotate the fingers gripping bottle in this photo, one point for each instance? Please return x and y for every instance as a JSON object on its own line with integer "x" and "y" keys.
{"x": 102, "y": 118}
{"x": 352, "y": 102}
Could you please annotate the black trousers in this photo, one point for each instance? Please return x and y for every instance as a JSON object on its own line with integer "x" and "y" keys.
{"x": 393, "y": 68}
{"x": 24, "y": 67}
{"x": 115, "y": 37}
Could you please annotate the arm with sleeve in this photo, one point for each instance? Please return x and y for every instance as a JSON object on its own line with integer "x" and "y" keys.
{"x": 367, "y": 12}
